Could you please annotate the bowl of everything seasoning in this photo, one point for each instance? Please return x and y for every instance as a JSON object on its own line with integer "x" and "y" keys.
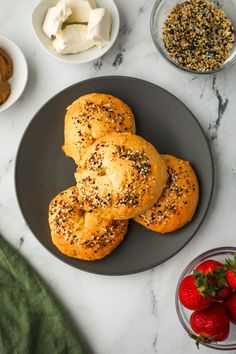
{"x": 197, "y": 36}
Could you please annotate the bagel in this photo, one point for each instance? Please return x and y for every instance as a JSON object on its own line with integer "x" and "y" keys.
{"x": 179, "y": 199}
{"x": 91, "y": 117}
{"x": 120, "y": 176}
{"x": 80, "y": 234}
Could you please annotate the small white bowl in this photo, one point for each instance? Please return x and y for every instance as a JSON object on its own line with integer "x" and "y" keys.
{"x": 93, "y": 53}
{"x": 20, "y": 71}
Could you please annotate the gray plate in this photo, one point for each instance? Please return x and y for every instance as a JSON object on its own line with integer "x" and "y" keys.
{"x": 42, "y": 170}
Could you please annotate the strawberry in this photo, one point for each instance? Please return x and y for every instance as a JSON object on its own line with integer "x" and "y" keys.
{"x": 211, "y": 324}
{"x": 231, "y": 278}
{"x": 219, "y": 284}
{"x": 230, "y": 265}
{"x": 230, "y": 304}
{"x": 215, "y": 272}
{"x": 192, "y": 297}
{"x": 223, "y": 293}
{"x": 208, "y": 266}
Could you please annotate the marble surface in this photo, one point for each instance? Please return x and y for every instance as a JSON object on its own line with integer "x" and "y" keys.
{"x": 131, "y": 314}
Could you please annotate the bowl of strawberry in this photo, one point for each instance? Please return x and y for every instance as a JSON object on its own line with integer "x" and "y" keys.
{"x": 206, "y": 299}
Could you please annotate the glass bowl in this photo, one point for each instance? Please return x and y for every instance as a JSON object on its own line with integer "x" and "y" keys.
{"x": 184, "y": 314}
{"x": 159, "y": 14}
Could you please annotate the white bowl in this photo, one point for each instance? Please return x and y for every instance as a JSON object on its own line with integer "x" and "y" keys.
{"x": 20, "y": 71}
{"x": 93, "y": 53}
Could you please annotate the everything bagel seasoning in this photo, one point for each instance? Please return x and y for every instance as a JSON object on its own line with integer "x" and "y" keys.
{"x": 198, "y": 35}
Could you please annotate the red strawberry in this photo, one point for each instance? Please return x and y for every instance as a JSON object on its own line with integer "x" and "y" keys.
{"x": 208, "y": 266}
{"x": 211, "y": 324}
{"x": 219, "y": 284}
{"x": 215, "y": 272}
{"x": 230, "y": 304}
{"x": 223, "y": 293}
{"x": 191, "y": 297}
{"x": 231, "y": 278}
{"x": 230, "y": 265}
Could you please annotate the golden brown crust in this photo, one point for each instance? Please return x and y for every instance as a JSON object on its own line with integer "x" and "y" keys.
{"x": 121, "y": 175}
{"x": 179, "y": 199}
{"x": 91, "y": 117}
{"x": 80, "y": 234}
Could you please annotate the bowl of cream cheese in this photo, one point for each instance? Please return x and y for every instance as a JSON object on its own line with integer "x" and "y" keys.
{"x": 76, "y": 31}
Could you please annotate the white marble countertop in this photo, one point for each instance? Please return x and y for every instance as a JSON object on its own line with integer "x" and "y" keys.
{"x": 131, "y": 314}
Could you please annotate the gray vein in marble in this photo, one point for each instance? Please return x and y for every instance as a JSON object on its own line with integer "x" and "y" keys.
{"x": 233, "y": 174}
{"x": 154, "y": 309}
{"x": 154, "y": 303}
{"x": 98, "y": 64}
{"x": 213, "y": 83}
{"x": 222, "y": 105}
{"x": 119, "y": 57}
{"x": 6, "y": 169}
{"x": 154, "y": 343}
{"x": 21, "y": 242}
{"x": 125, "y": 29}
{"x": 142, "y": 9}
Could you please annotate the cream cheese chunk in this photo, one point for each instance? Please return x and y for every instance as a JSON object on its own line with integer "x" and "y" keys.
{"x": 99, "y": 27}
{"x": 80, "y": 9}
{"x": 54, "y": 18}
{"x": 72, "y": 39}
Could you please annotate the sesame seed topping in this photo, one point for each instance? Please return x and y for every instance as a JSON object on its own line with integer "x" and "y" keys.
{"x": 198, "y": 35}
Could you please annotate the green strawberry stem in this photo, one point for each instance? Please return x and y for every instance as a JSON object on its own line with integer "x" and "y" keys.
{"x": 203, "y": 284}
{"x": 213, "y": 282}
{"x": 219, "y": 276}
{"x": 230, "y": 264}
{"x": 202, "y": 339}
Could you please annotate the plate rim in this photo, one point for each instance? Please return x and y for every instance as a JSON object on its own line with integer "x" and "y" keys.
{"x": 111, "y": 77}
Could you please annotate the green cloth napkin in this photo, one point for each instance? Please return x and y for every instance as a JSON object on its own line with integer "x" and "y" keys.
{"x": 31, "y": 320}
